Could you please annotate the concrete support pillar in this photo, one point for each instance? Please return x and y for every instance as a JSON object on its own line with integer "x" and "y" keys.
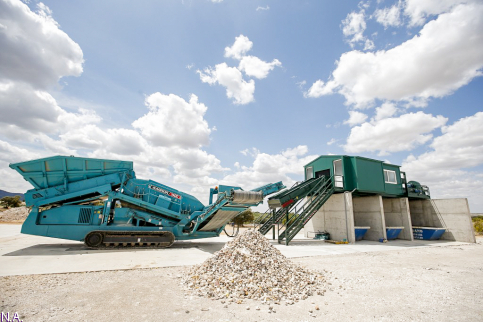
{"x": 336, "y": 217}
{"x": 369, "y": 211}
{"x": 396, "y": 214}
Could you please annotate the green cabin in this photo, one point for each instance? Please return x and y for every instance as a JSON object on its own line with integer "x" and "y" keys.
{"x": 365, "y": 176}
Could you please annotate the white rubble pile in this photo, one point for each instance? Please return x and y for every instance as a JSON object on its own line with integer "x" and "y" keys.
{"x": 249, "y": 267}
{"x": 18, "y": 214}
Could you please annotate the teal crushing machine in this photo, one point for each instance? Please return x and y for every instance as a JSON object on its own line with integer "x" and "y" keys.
{"x": 102, "y": 203}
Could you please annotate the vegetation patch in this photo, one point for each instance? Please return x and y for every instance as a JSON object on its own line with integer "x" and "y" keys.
{"x": 478, "y": 224}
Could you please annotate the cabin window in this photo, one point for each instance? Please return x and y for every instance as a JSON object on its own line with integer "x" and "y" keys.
{"x": 390, "y": 176}
{"x": 309, "y": 173}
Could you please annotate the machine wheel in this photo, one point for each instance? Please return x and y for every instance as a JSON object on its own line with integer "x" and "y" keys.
{"x": 93, "y": 239}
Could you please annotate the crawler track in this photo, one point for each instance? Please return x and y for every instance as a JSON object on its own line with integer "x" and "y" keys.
{"x": 102, "y": 239}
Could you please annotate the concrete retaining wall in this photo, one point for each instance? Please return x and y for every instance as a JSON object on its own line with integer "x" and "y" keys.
{"x": 396, "y": 214}
{"x": 368, "y": 211}
{"x": 336, "y": 217}
{"x": 455, "y": 214}
{"x": 341, "y": 213}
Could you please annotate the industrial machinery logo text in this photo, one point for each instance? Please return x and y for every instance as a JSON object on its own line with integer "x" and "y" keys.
{"x": 158, "y": 189}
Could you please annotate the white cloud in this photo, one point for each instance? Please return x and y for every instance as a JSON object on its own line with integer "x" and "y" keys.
{"x": 34, "y": 49}
{"x": 13, "y": 154}
{"x": 87, "y": 137}
{"x": 253, "y": 152}
{"x": 355, "y": 118}
{"x": 168, "y": 137}
{"x": 195, "y": 163}
{"x": 301, "y": 84}
{"x": 173, "y": 121}
{"x": 231, "y": 78}
{"x": 271, "y": 168}
{"x": 254, "y": 66}
{"x": 418, "y": 11}
{"x": 319, "y": 88}
{"x": 35, "y": 54}
{"x": 241, "y": 46}
{"x": 369, "y": 45}
{"x": 53, "y": 145}
{"x": 11, "y": 181}
{"x": 447, "y": 169}
{"x": 237, "y": 88}
{"x": 27, "y": 110}
{"x": 446, "y": 55}
{"x": 389, "y": 17}
{"x": 24, "y": 107}
{"x": 332, "y": 141}
{"x": 384, "y": 111}
{"x": 263, "y": 8}
{"x": 393, "y": 134}
{"x": 165, "y": 143}
{"x": 354, "y": 26}
{"x": 459, "y": 147}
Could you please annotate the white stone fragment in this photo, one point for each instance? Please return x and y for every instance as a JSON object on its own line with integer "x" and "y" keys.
{"x": 249, "y": 267}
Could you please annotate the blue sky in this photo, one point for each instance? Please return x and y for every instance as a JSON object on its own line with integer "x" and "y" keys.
{"x": 201, "y": 93}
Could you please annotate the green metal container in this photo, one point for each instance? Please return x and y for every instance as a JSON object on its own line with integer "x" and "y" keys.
{"x": 362, "y": 175}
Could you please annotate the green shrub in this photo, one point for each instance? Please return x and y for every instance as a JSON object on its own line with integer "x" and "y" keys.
{"x": 478, "y": 224}
{"x": 11, "y": 202}
{"x": 244, "y": 218}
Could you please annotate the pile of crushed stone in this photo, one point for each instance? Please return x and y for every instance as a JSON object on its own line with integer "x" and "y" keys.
{"x": 18, "y": 214}
{"x": 249, "y": 267}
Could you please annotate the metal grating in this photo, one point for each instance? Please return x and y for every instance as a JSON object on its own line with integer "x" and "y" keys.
{"x": 85, "y": 215}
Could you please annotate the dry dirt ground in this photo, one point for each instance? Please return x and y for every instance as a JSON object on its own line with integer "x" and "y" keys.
{"x": 13, "y": 215}
{"x": 417, "y": 284}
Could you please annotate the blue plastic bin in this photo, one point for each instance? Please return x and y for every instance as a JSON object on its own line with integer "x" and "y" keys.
{"x": 428, "y": 233}
{"x": 360, "y": 232}
{"x": 393, "y": 232}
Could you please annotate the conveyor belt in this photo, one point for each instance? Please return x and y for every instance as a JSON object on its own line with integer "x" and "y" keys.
{"x": 220, "y": 219}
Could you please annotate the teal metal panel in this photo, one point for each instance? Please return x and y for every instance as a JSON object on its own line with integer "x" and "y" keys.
{"x": 60, "y": 170}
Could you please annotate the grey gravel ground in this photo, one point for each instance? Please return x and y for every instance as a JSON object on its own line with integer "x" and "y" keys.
{"x": 437, "y": 283}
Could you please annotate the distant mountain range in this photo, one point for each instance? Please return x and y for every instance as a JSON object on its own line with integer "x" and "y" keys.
{"x": 10, "y": 194}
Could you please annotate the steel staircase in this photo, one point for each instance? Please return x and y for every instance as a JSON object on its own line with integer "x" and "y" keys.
{"x": 319, "y": 193}
{"x": 265, "y": 222}
{"x": 268, "y": 218}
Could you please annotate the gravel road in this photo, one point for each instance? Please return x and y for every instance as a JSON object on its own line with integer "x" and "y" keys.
{"x": 418, "y": 284}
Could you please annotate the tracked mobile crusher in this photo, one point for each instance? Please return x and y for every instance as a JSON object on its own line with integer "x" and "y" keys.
{"x": 102, "y": 203}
